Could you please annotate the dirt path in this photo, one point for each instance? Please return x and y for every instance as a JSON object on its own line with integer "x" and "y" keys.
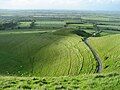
{"x": 95, "y": 54}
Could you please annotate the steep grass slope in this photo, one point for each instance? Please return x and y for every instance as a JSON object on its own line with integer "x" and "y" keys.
{"x": 108, "y": 47}
{"x": 45, "y": 54}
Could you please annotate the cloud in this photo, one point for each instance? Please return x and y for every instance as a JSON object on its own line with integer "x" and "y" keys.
{"x": 60, "y": 4}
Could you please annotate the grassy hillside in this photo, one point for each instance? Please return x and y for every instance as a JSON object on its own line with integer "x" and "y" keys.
{"x": 108, "y": 47}
{"x": 59, "y": 50}
{"x": 45, "y": 54}
{"x": 58, "y": 53}
{"x": 110, "y": 81}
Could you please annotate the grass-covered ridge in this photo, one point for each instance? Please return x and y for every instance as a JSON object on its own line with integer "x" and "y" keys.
{"x": 57, "y": 53}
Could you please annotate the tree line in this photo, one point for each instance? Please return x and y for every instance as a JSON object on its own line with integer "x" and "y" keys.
{"x": 15, "y": 25}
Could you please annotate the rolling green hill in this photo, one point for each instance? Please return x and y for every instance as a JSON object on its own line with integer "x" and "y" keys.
{"x": 45, "y": 54}
{"x": 60, "y": 57}
{"x": 60, "y": 51}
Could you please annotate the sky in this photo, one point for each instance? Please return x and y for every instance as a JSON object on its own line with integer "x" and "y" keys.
{"x": 106, "y": 5}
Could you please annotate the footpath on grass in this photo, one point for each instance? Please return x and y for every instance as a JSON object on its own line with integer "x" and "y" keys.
{"x": 95, "y": 54}
{"x": 85, "y": 39}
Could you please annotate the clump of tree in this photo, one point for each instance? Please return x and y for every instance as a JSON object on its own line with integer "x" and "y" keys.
{"x": 95, "y": 26}
{"x": 8, "y": 25}
{"x": 32, "y": 25}
{"x": 82, "y": 33}
{"x": 97, "y": 30}
{"x": 78, "y": 22}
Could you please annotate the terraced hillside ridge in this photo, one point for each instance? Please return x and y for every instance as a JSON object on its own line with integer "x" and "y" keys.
{"x": 45, "y": 54}
{"x": 108, "y": 47}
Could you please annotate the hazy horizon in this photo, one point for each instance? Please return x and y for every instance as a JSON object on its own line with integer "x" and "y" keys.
{"x": 92, "y": 5}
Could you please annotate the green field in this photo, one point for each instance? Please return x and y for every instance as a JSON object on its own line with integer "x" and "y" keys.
{"x": 108, "y": 81}
{"x": 24, "y": 24}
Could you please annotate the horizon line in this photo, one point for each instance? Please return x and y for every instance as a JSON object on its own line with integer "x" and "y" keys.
{"x": 18, "y": 9}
